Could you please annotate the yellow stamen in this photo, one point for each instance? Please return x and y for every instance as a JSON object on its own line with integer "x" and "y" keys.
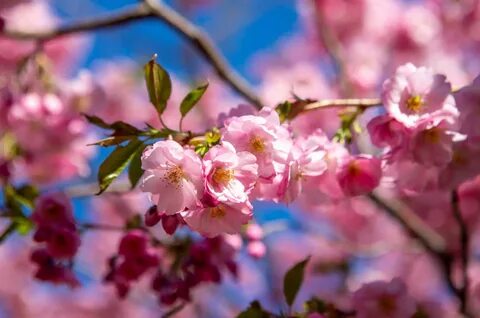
{"x": 223, "y": 176}
{"x": 387, "y": 304}
{"x": 217, "y": 212}
{"x": 257, "y": 144}
{"x": 432, "y": 135}
{"x": 174, "y": 176}
{"x": 415, "y": 103}
{"x": 353, "y": 168}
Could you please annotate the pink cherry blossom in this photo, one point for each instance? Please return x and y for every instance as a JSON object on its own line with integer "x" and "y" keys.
{"x": 385, "y": 131}
{"x": 467, "y": 100}
{"x": 359, "y": 175}
{"x": 173, "y": 176}
{"x": 307, "y": 160}
{"x": 222, "y": 218}
{"x": 261, "y": 135}
{"x": 415, "y": 95}
{"x": 434, "y": 145}
{"x": 229, "y": 175}
{"x": 383, "y": 299}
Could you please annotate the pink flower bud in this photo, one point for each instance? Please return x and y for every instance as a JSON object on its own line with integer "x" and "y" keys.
{"x": 170, "y": 223}
{"x": 254, "y": 232}
{"x": 359, "y": 175}
{"x": 133, "y": 243}
{"x": 152, "y": 217}
{"x": 256, "y": 249}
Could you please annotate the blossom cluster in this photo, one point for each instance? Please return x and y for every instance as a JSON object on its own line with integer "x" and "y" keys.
{"x": 256, "y": 159}
{"x": 57, "y": 230}
{"x": 428, "y": 132}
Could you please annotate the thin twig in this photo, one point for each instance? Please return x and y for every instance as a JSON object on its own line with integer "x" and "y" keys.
{"x": 202, "y": 42}
{"x": 347, "y": 102}
{"x": 430, "y": 239}
{"x": 103, "y": 227}
{"x": 156, "y": 9}
{"x": 464, "y": 250}
{"x": 123, "y": 16}
{"x": 334, "y": 49}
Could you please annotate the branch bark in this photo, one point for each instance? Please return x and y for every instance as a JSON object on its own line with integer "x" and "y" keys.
{"x": 464, "y": 252}
{"x": 434, "y": 244}
{"x": 155, "y": 9}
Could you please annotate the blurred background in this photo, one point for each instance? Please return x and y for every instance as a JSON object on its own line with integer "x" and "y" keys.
{"x": 313, "y": 49}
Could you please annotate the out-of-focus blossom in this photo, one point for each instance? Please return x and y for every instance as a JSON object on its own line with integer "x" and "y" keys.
{"x": 359, "y": 175}
{"x": 383, "y": 299}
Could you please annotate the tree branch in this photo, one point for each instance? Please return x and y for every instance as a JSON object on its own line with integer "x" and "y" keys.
{"x": 121, "y": 17}
{"x": 464, "y": 251}
{"x": 433, "y": 243}
{"x": 156, "y": 9}
{"x": 353, "y": 102}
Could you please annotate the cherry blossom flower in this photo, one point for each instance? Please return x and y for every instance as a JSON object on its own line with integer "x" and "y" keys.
{"x": 173, "y": 176}
{"x": 263, "y": 136}
{"x": 415, "y": 95}
{"x": 383, "y": 299}
{"x": 221, "y": 218}
{"x": 307, "y": 160}
{"x": 359, "y": 175}
{"x": 229, "y": 175}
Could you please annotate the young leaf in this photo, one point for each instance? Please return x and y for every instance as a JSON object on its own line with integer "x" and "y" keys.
{"x": 97, "y": 121}
{"x": 293, "y": 281}
{"x": 192, "y": 99}
{"x": 135, "y": 170}
{"x": 115, "y": 163}
{"x": 255, "y": 310}
{"x": 159, "y": 85}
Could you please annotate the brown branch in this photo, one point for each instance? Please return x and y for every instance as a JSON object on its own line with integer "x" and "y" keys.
{"x": 121, "y": 17}
{"x": 334, "y": 49}
{"x": 464, "y": 251}
{"x": 433, "y": 243}
{"x": 156, "y": 9}
{"x": 347, "y": 102}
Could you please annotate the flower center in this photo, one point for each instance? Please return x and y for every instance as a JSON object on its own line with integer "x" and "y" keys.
{"x": 353, "y": 169}
{"x": 432, "y": 135}
{"x": 174, "y": 176}
{"x": 415, "y": 103}
{"x": 217, "y": 212}
{"x": 459, "y": 158}
{"x": 387, "y": 304}
{"x": 223, "y": 176}
{"x": 256, "y": 144}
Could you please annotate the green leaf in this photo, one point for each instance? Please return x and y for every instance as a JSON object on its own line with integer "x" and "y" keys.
{"x": 97, "y": 121}
{"x": 315, "y": 305}
{"x": 115, "y": 163}
{"x": 26, "y": 195}
{"x": 159, "y": 85}
{"x": 134, "y": 222}
{"x": 255, "y": 310}
{"x": 23, "y": 225}
{"x": 110, "y": 141}
{"x": 135, "y": 170}
{"x": 293, "y": 281}
{"x": 192, "y": 99}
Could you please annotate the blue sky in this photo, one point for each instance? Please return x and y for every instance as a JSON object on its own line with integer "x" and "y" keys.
{"x": 240, "y": 29}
